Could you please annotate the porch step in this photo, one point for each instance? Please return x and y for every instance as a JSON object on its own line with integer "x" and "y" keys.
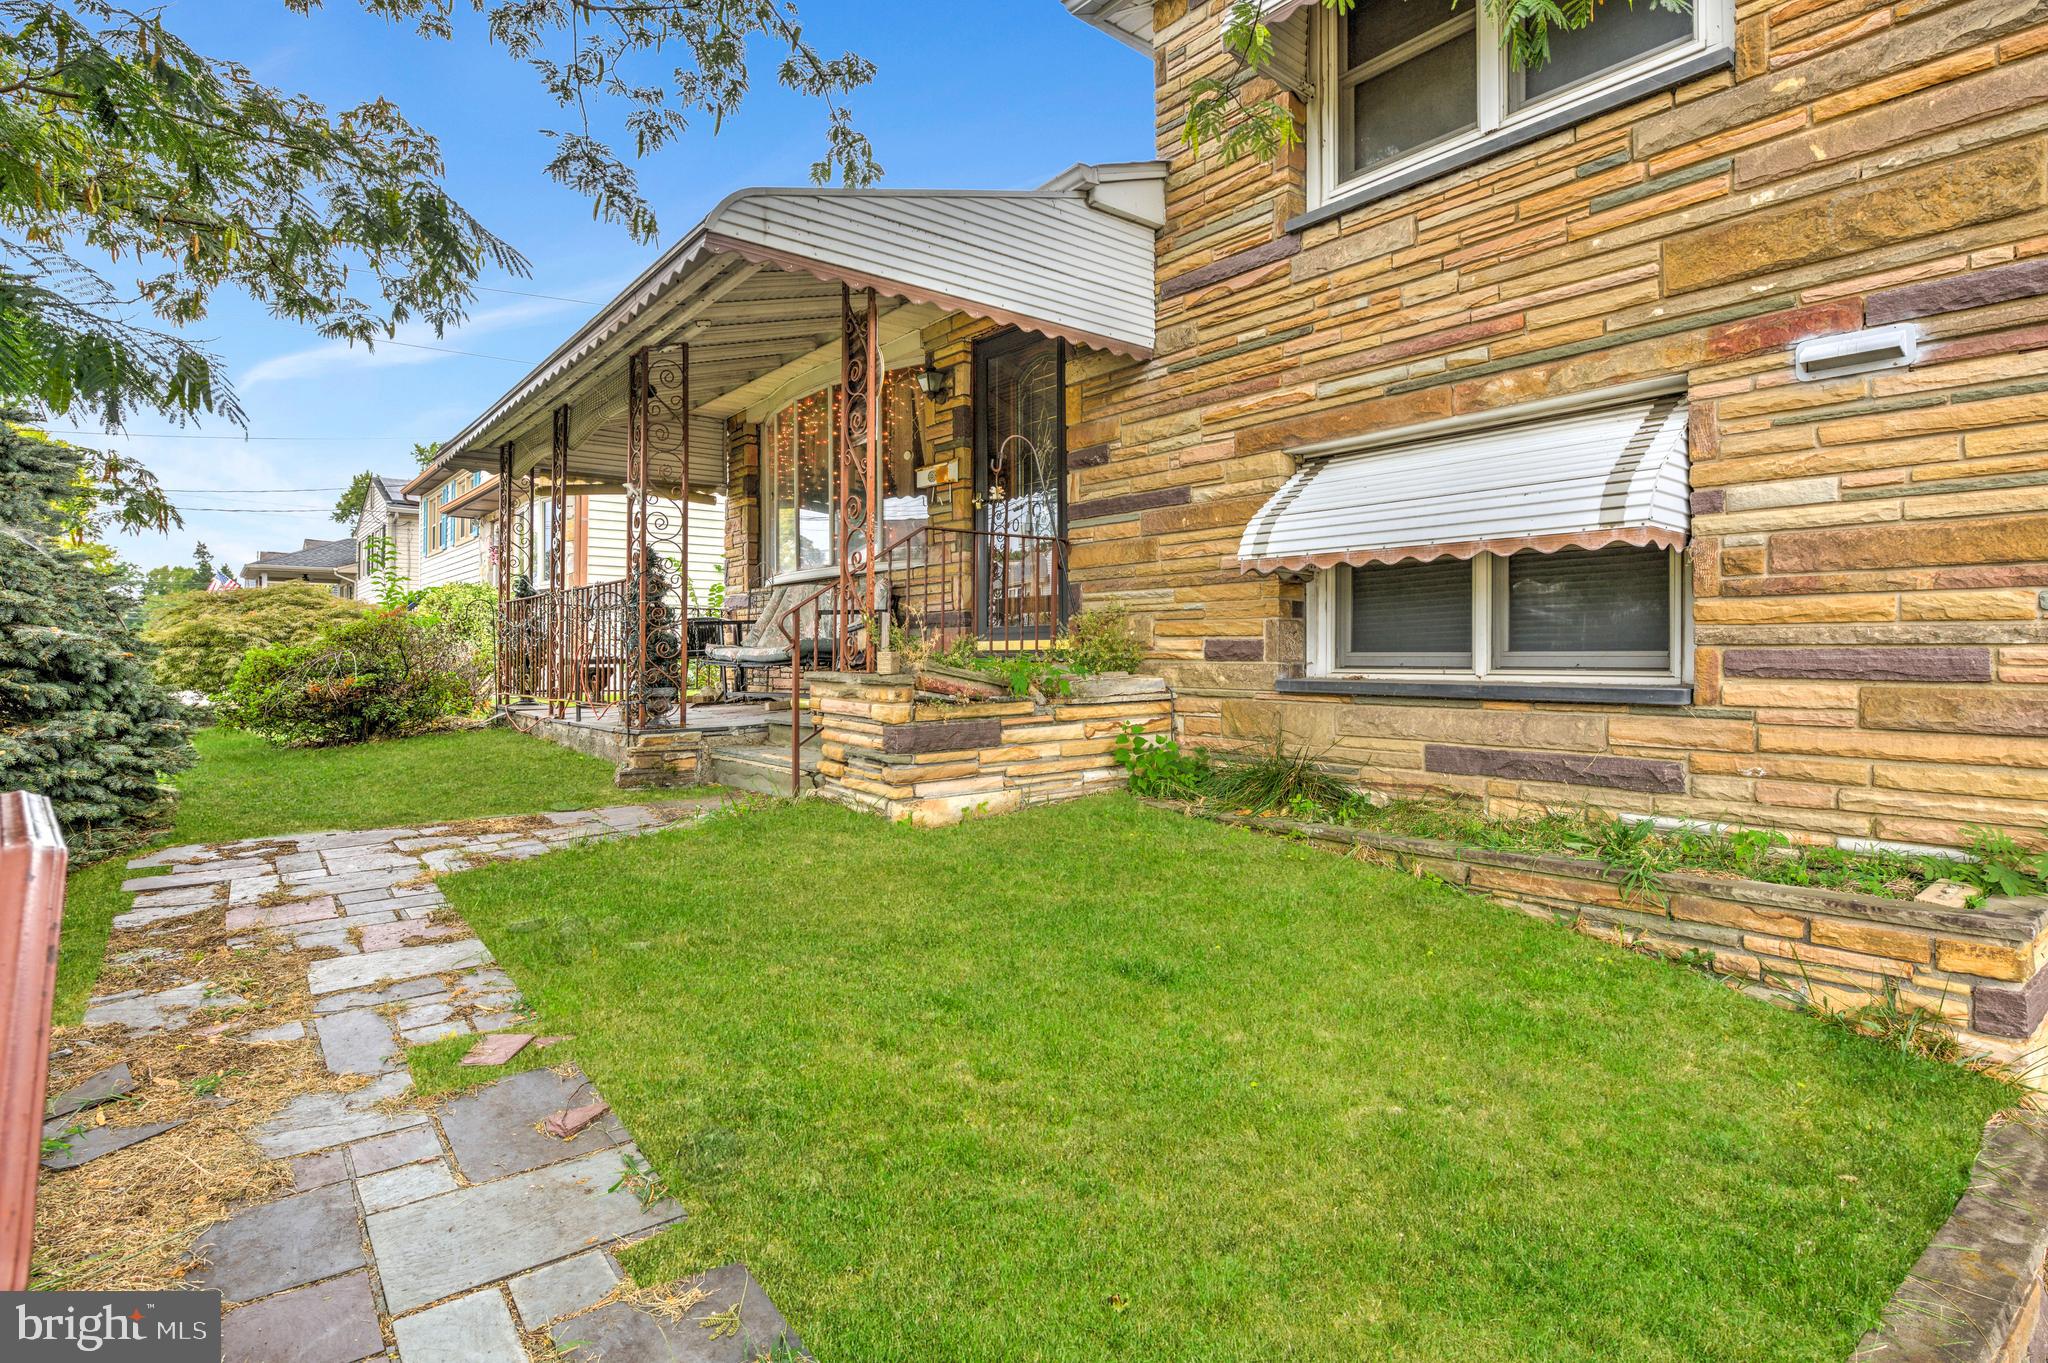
{"x": 761, "y": 768}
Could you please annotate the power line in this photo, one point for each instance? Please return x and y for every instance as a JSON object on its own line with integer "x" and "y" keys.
{"x": 196, "y": 435}
{"x": 264, "y": 510}
{"x": 445, "y": 350}
{"x": 521, "y": 293}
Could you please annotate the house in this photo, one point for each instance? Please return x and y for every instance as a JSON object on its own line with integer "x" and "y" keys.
{"x": 387, "y": 538}
{"x": 1662, "y": 430}
{"x": 836, "y": 369}
{"x": 326, "y": 563}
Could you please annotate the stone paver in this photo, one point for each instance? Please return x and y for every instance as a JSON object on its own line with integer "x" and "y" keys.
{"x": 330, "y": 1322}
{"x": 91, "y": 1091}
{"x": 84, "y": 1146}
{"x": 473, "y": 1329}
{"x": 300, "y": 1239}
{"x": 318, "y": 1170}
{"x": 472, "y": 1236}
{"x": 165, "y": 1010}
{"x": 386, "y": 967}
{"x": 492, "y": 1130}
{"x": 357, "y": 1042}
{"x": 621, "y": 1333}
{"x": 314, "y": 1121}
{"x": 406, "y": 1183}
{"x": 388, "y": 1152}
{"x": 547, "y": 1294}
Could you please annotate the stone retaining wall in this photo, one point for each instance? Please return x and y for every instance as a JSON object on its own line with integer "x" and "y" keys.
{"x": 935, "y": 764}
{"x": 1975, "y": 1296}
{"x": 655, "y": 759}
{"x": 1981, "y": 970}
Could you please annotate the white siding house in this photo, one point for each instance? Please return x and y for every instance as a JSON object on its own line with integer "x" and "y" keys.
{"x": 388, "y": 515}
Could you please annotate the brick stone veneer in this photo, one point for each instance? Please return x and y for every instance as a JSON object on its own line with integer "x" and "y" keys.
{"x": 935, "y": 764}
{"x": 1984, "y": 971}
{"x": 1868, "y": 652}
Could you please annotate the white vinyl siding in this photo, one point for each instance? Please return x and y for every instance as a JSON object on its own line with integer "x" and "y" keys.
{"x": 607, "y": 558}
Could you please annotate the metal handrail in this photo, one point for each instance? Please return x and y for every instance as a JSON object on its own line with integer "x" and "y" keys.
{"x": 32, "y": 865}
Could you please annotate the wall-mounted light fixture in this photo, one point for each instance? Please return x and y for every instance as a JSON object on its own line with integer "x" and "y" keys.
{"x": 935, "y": 383}
{"x": 1856, "y": 352}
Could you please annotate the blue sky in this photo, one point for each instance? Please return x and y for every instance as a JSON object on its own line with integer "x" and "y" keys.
{"x": 985, "y": 94}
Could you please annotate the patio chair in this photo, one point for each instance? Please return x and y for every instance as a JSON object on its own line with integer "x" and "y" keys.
{"x": 764, "y": 645}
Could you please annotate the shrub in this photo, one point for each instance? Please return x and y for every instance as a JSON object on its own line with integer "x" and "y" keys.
{"x": 200, "y": 637}
{"x": 385, "y": 675}
{"x": 469, "y": 609}
{"x": 1102, "y": 640}
{"x": 81, "y": 719}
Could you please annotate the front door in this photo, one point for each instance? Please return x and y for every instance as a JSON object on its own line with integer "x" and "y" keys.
{"x": 1020, "y": 485}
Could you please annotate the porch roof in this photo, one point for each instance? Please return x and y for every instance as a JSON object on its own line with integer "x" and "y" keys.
{"x": 756, "y": 286}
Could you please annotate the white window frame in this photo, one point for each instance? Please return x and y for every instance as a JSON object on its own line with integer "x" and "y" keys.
{"x": 1329, "y": 597}
{"x": 1498, "y": 121}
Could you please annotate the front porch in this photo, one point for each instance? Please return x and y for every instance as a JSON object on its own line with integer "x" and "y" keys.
{"x": 838, "y": 371}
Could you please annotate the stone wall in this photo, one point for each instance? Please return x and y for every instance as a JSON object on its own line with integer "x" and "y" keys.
{"x": 1975, "y": 1295}
{"x": 1869, "y": 553}
{"x": 1984, "y": 971}
{"x": 933, "y": 763}
{"x": 650, "y": 759}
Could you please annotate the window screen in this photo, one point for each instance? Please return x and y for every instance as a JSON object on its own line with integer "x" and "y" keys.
{"x": 1412, "y": 77}
{"x": 1618, "y": 35}
{"x": 1606, "y": 608}
{"x": 1409, "y": 615}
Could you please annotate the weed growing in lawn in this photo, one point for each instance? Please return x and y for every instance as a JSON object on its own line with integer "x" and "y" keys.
{"x": 642, "y": 1180}
{"x": 1906, "y": 1028}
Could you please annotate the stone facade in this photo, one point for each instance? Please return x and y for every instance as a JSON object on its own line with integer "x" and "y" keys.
{"x": 661, "y": 758}
{"x": 934, "y": 764}
{"x": 1983, "y": 971}
{"x": 1868, "y": 555}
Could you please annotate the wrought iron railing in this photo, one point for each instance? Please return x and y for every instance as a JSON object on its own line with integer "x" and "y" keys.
{"x": 580, "y": 649}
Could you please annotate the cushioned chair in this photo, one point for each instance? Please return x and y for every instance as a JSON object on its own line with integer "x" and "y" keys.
{"x": 765, "y": 645}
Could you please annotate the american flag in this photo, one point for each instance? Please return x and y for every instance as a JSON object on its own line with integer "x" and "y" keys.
{"x": 223, "y": 581}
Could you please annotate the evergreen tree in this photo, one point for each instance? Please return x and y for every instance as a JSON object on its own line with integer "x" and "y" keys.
{"x": 81, "y": 719}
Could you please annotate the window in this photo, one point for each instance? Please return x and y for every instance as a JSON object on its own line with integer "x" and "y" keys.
{"x": 800, "y": 447}
{"x": 1572, "y": 613}
{"x": 443, "y": 530}
{"x": 1417, "y": 80}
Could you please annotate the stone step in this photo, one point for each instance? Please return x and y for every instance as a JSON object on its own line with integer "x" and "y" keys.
{"x": 762, "y": 768}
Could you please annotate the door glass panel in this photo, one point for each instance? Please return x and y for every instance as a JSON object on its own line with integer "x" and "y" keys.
{"x": 1021, "y": 487}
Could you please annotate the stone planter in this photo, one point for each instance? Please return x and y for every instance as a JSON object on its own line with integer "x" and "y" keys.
{"x": 1980, "y": 970}
{"x": 934, "y": 763}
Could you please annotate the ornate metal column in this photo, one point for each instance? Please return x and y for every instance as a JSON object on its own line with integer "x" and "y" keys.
{"x": 658, "y": 464}
{"x": 504, "y": 574}
{"x": 558, "y": 565}
{"x": 860, "y": 468}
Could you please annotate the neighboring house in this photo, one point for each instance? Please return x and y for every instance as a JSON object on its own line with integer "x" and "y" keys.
{"x": 325, "y": 563}
{"x": 389, "y": 523}
{"x": 1471, "y": 447}
{"x": 1479, "y": 453}
{"x": 459, "y": 518}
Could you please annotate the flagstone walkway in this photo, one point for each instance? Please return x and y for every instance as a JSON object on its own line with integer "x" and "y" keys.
{"x": 450, "y": 1231}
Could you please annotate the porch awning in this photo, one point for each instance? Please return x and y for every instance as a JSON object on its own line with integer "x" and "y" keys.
{"x": 1580, "y": 481}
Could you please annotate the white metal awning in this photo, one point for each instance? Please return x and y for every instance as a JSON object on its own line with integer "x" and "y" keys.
{"x": 1583, "y": 480}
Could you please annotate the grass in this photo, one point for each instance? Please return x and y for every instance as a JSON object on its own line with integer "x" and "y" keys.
{"x": 1097, "y": 1081}
{"x": 244, "y": 787}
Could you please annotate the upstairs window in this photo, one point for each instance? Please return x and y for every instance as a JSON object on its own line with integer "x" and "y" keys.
{"x": 1417, "y": 81}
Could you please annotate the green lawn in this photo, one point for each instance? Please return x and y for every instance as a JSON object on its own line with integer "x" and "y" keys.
{"x": 243, "y": 787}
{"x": 1099, "y": 1082}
